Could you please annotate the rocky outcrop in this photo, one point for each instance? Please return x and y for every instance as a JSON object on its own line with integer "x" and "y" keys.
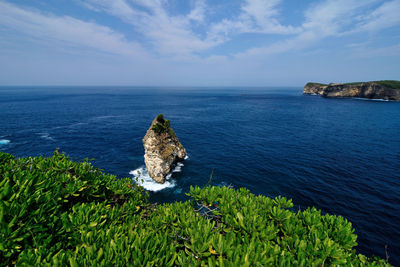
{"x": 371, "y": 90}
{"x": 314, "y": 88}
{"x": 162, "y": 149}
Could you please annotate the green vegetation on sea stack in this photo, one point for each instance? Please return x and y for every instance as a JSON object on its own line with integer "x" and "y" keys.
{"x": 54, "y": 211}
{"x": 162, "y": 125}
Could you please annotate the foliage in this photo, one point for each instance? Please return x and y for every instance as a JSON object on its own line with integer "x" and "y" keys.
{"x": 388, "y": 83}
{"x": 162, "y": 125}
{"x": 316, "y": 84}
{"x": 58, "y": 212}
{"x": 48, "y": 204}
{"x": 160, "y": 118}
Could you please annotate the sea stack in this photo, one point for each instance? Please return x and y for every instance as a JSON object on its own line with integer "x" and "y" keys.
{"x": 162, "y": 149}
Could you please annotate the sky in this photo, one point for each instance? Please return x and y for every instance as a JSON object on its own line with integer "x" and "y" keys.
{"x": 198, "y": 42}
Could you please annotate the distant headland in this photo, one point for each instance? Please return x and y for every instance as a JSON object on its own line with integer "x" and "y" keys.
{"x": 386, "y": 90}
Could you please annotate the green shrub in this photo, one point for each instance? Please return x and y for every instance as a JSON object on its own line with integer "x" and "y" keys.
{"x": 162, "y": 125}
{"x": 390, "y": 84}
{"x": 315, "y": 84}
{"x": 42, "y": 197}
{"x": 57, "y": 212}
{"x": 160, "y": 118}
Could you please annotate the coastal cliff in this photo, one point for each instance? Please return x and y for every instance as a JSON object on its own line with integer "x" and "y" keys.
{"x": 387, "y": 90}
{"x": 162, "y": 149}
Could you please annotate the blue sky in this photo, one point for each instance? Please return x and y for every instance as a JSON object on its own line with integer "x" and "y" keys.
{"x": 198, "y": 42}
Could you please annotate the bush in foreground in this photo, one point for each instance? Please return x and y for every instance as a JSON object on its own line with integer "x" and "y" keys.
{"x": 54, "y": 211}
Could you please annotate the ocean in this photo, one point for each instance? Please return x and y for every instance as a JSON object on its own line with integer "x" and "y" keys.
{"x": 339, "y": 155}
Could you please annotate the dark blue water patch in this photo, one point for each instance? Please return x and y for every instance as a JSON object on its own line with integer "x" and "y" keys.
{"x": 339, "y": 155}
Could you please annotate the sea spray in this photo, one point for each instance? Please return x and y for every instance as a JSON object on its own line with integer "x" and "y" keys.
{"x": 142, "y": 178}
{"x": 4, "y": 142}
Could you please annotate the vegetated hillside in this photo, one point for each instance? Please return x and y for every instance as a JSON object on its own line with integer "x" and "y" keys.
{"x": 54, "y": 211}
{"x": 316, "y": 84}
{"x": 388, "y": 83}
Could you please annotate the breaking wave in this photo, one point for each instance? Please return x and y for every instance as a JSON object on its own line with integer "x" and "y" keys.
{"x": 142, "y": 178}
{"x": 178, "y": 167}
{"x": 4, "y": 142}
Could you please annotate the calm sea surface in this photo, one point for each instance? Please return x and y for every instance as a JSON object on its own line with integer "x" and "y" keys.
{"x": 339, "y": 155}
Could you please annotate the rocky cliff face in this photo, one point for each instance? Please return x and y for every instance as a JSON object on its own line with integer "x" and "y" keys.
{"x": 371, "y": 90}
{"x": 162, "y": 149}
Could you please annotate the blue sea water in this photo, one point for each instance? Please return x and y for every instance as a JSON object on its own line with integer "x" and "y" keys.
{"x": 339, "y": 155}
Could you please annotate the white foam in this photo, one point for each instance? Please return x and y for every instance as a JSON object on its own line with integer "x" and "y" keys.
{"x": 142, "y": 178}
{"x": 186, "y": 157}
{"x": 371, "y": 99}
{"x": 46, "y": 136}
{"x": 4, "y": 142}
{"x": 178, "y": 167}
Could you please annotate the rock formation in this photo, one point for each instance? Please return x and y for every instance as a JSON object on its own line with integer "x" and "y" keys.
{"x": 388, "y": 90}
{"x": 162, "y": 149}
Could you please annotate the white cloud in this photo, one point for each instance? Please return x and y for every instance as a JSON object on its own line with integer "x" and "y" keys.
{"x": 257, "y": 16}
{"x": 168, "y": 34}
{"x": 198, "y": 12}
{"x": 180, "y": 38}
{"x": 65, "y": 31}
{"x": 333, "y": 18}
{"x": 264, "y": 13}
{"x": 387, "y": 15}
{"x": 174, "y": 34}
